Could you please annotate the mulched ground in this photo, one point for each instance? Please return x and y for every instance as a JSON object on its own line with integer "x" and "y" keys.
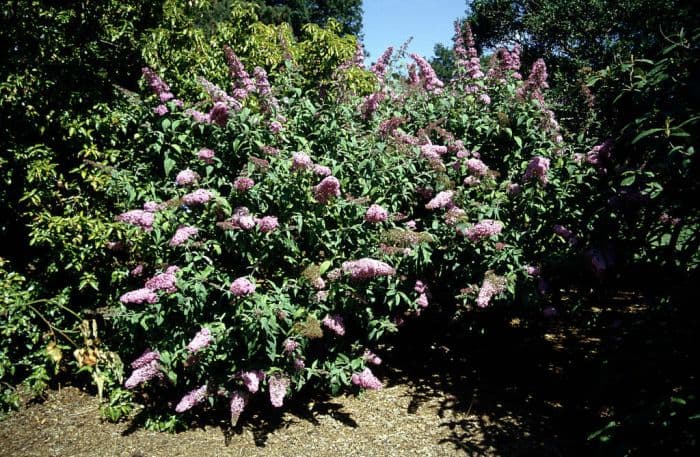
{"x": 520, "y": 389}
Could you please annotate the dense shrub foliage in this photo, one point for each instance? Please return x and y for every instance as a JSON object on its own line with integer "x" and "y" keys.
{"x": 285, "y": 232}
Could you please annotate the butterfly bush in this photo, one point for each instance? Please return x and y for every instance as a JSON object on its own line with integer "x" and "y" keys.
{"x": 282, "y": 280}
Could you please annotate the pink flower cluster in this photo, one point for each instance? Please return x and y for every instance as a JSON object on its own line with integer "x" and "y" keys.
{"x": 371, "y": 104}
{"x": 139, "y": 296}
{"x": 477, "y": 167}
{"x": 192, "y": 399}
{"x": 242, "y": 82}
{"x": 322, "y": 170}
{"x": 239, "y": 400}
{"x": 334, "y": 323}
{"x": 468, "y": 59}
{"x": 202, "y": 339}
{"x": 376, "y": 213}
{"x": 219, "y": 114}
{"x": 251, "y": 380}
{"x": 433, "y": 151}
{"x": 186, "y": 177}
{"x": 278, "y": 389}
{"x": 217, "y": 94}
{"x": 146, "y": 367}
{"x": 207, "y": 155}
{"x": 487, "y": 291}
{"x": 431, "y": 82}
{"x": 242, "y": 286}
{"x": 484, "y": 229}
{"x": 139, "y": 218}
{"x": 198, "y": 197}
{"x": 371, "y": 357}
{"x": 327, "y": 189}
{"x": 290, "y": 345}
{"x": 182, "y": 234}
{"x": 164, "y": 281}
{"x": 537, "y": 169}
{"x": 366, "y": 380}
{"x": 243, "y": 183}
{"x": 380, "y": 67}
{"x": 367, "y": 268}
{"x": 301, "y": 161}
{"x": 441, "y": 200}
{"x": 267, "y": 224}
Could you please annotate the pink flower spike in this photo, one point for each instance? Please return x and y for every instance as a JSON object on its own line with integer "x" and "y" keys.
{"x": 207, "y": 155}
{"x": 366, "y": 380}
{"x": 192, "y": 399}
{"x": 186, "y": 177}
{"x": 278, "y": 389}
{"x": 376, "y": 214}
{"x": 202, "y": 339}
{"x": 139, "y": 296}
{"x": 335, "y": 324}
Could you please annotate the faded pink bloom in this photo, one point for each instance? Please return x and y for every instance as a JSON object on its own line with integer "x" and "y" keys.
{"x": 471, "y": 181}
{"x": 219, "y": 114}
{"x": 186, "y": 177}
{"x": 138, "y": 217}
{"x": 267, "y": 224}
{"x": 299, "y": 364}
{"x": 477, "y": 167}
{"x": 198, "y": 116}
{"x": 242, "y": 286}
{"x": 433, "y": 151}
{"x": 376, "y": 213}
{"x": 182, "y": 234}
{"x": 334, "y": 323}
{"x": 164, "y": 281}
{"x": 485, "y": 99}
{"x": 137, "y": 271}
{"x": 322, "y": 170}
{"x": 146, "y": 358}
{"x": 290, "y": 345}
{"x": 192, "y": 399}
{"x": 252, "y": 379}
{"x": 327, "y": 189}
{"x": 198, "y": 197}
{"x": 431, "y": 82}
{"x": 379, "y": 68}
{"x": 441, "y": 200}
{"x": 144, "y": 373}
{"x": 161, "y": 110}
{"x": 217, "y": 94}
{"x": 239, "y": 400}
{"x": 532, "y": 270}
{"x": 484, "y": 229}
{"x": 420, "y": 287}
{"x": 371, "y": 104}
{"x": 537, "y": 169}
{"x": 366, "y": 380}
{"x": 422, "y": 300}
{"x": 487, "y": 291}
{"x": 151, "y": 207}
{"x": 453, "y": 215}
{"x": 301, "y": 161}
{"x": 371, "y": 357}
{"x": 207, "y": 155}
{"x": 243, "y": 183}
{"x": 202, "y": 339}
{"x": 278, "y": 389}
{"x": 514, "y": 188}
{"x": 139, "y": 296}
{"x": 275, "y": 127}
{"x": 367, "y": 268}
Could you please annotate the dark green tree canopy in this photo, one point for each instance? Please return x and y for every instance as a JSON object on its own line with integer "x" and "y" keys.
{"x": 300, "y": 12}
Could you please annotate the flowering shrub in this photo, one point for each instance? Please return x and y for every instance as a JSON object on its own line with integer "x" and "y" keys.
{"x": 285, "y": 232}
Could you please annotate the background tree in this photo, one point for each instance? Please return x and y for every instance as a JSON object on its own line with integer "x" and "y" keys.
{"x": 299, "y": 12}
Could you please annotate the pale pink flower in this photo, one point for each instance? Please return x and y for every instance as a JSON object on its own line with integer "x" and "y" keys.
{"x": 376, "y": 213}
{"x": 182, "y": 234}
{"x": 138, "y": 217}
{"x": 422, "y": 300}
{"x": 484, "y": 229}
{"x": 164, "y": 281}
{"x": 367, "y": 268}
{"x": 192, "y": 399}
{"x": 334, "y": 323}
{"x": 139, "y": 296}
{"x": 198, "y": 197}
{"x": 328, "y": 188}
{"x": 477, "y": 167}
{"x": 322, "y": 170}
{"x": 290, "y": 345}
{"x": 202, "y": 339}
{"x": 144, "y": 373}
{"x": 537, "y": 169}
{"x": 441, "y": 200}
{"x": 371, "y": 357}
{"x": 267, "y": 224}
{"x": 453, "y": 215}
{"x": 186, "y": 177}
{"x": 207, "y": 155}
{"x": 239, "y": 400}
{"x": 252, "y": 379}
{"x": 278, "y": 389}
{"x": 242, "y": 286}
{"x": 301, "y": 161}
{"x": 243, "y": 183}
{"x": 420, "y": 287}
{"x": 366, "y": 380}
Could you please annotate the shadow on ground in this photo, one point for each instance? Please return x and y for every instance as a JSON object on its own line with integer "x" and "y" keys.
{"x": 616, "y": 379}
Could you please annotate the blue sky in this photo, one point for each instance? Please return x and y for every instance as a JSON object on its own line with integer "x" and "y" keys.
{"x": 391, "y": 22}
